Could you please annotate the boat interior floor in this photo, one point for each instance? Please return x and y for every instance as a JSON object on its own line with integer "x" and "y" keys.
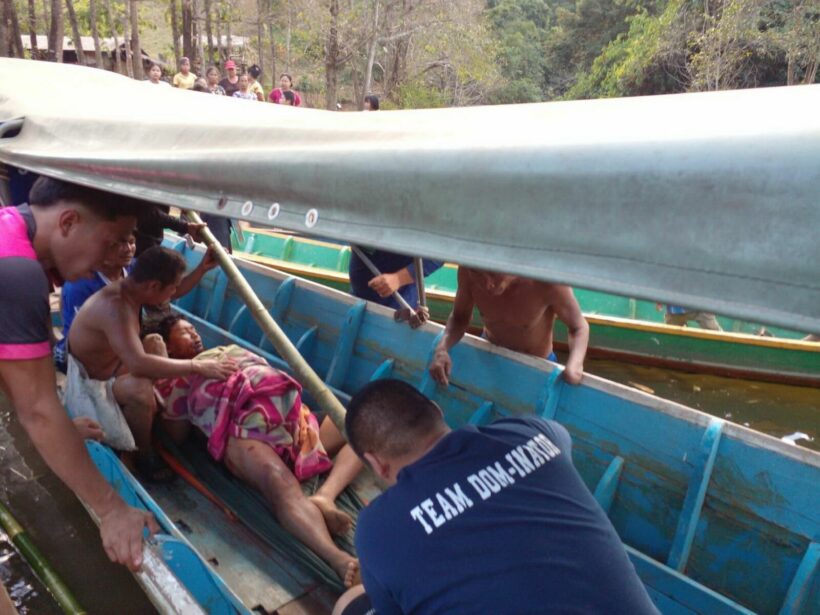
{"x": 268, "y": 571}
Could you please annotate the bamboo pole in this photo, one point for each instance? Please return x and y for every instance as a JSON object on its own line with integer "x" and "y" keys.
{"x": 18, "y": 535}
{"x": 303, "y": 372}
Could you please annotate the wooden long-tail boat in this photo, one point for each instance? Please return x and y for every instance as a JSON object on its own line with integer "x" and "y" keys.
{"x": 716, "y": 518}
{"x": 620, "y": 328}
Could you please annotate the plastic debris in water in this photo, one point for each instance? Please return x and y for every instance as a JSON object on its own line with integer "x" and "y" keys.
{"x": 797, "y": 435}
{"x": 642, "y": 387}
{"x": 696, "y": 388}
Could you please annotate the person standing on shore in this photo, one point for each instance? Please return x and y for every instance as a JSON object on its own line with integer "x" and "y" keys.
{"x": 184, "y": 79}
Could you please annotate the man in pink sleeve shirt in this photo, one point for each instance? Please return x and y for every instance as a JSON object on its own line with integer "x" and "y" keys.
{"x": 64, "y": 234}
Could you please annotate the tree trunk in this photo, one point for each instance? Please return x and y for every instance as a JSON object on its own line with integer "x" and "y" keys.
{"x": 228, "y": 23}
{"x": 55, "y": 32}
{"x": 332, "y": 57}
{"x": 126, "y": 35}
{"x": 288, "y": 33}
{"x": 371, "y": 56}
{"x": 5, "y": 48}
{"x": 398, "y": 66}
{"x": 95, "y": 34}
{"x": 187, "y": 29}
{"x": 196, "y": 60}
{"x": 32, "y": 29}
{"x": 136, "y": 49}
{"x": 209, "y": 31}
{"x": 112, "y": 20}
{"x": 14, "y": 39}
{"x": 260, "y": 34}
{"x": 220, "y": 56}
{"x": 272, "y": 51}
{"x": 75, "y": 32}
{"x": 811, "y": 71}
{"x": 175, "y": 30}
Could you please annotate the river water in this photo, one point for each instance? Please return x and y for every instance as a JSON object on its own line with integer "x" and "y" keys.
{"x": 63, "y": 531}
{"x": 61, "y": 528}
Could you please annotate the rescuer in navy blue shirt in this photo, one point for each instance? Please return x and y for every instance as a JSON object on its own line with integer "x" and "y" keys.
{"x": 398, "y": 275}
{"x": 488, "y": 519}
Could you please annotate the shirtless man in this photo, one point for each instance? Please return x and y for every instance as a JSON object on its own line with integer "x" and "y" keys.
{"x": 518, "y": 314}
{"x": 107, "y": 362}
{"x": 258, "y": 455}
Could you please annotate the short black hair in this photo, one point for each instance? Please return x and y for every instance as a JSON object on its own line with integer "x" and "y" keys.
{"x": 288, "y": 95}
{"x": 158, "y": 264}
{"x": 389, "y": 417}
{"x": 164, "y": 326}
{"x": 373, "y": 100}
{"x": 254, "y": 71}
{"x": 48, "y": 191}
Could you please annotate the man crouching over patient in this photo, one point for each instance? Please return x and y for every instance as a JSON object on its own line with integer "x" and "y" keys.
{"x": 109, "y": 374}
{"x": 256, "y": 423}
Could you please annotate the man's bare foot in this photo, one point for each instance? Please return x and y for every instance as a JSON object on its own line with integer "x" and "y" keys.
{"x": 338, "y": 522}
{"x": 353, "y": 574}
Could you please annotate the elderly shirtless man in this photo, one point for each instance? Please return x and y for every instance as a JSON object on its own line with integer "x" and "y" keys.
{"x": 109, "y": 375}
{"x": 518, "y": 314}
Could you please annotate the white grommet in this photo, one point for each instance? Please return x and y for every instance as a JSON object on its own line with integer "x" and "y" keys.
{"x": 311, "y": 218}
{"x": 273, "y": 211}
{"x": 247, "y": 208}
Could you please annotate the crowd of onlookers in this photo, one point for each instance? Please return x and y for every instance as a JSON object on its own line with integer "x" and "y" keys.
{"x": 244, "y": 85}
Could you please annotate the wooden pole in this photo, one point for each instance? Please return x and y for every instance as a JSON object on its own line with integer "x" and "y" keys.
{"x": 18, "y": 535}
{"x": 302, "y": 371}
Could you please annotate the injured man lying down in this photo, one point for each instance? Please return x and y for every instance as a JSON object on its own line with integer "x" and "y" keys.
{"x": 256, "y": 423}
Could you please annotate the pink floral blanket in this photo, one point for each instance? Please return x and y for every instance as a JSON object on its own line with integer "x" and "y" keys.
{"x": 257, "y": 402}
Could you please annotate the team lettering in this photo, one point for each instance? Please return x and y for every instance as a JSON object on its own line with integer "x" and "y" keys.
{"x": 522, "y": 460}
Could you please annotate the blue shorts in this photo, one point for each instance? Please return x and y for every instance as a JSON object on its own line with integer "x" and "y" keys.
{"x": 361, "y": 605}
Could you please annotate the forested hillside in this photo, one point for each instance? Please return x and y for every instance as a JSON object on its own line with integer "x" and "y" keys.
{"x": 432, "y": 53}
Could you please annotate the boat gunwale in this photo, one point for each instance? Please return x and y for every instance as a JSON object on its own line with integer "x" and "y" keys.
{"x": 653, "y": 402}
{"x": 725, "y": 337}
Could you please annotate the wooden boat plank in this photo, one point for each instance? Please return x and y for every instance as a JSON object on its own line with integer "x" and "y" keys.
{"x": 695, "y": 494}
{"x": 675, "y": 593}
{"x": 257, "y": 574}
{"x": 799, "y": 593}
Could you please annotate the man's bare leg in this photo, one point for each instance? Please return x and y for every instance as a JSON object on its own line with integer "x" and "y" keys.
{"x": 259, "y": 465}
{"x": 139, "y": 406}
{"x": 346, "y": 466}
